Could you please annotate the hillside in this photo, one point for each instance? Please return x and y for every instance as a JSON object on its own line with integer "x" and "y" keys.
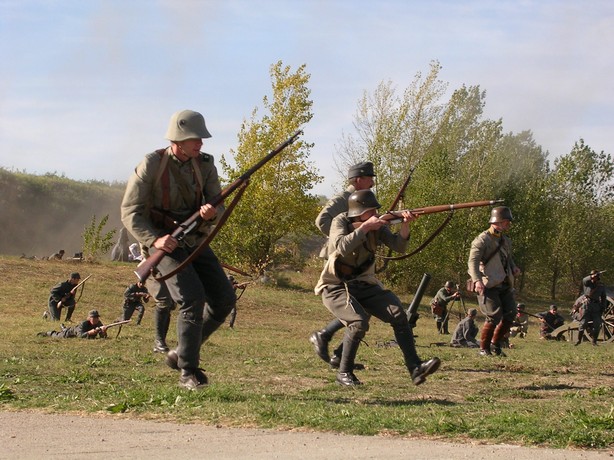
{"x": 43, "y": 214}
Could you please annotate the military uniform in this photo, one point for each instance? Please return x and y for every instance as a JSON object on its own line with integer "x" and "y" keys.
{"x": 465, "y": 334}
{"x": 61, "y": 292}
{"x": 551, "y": 322}
{"x": 134, "y": 297}
{"x": 442, "y": 299}
{"x": 352, "y": 293}
{"x": 596, "y": 302}
{"x": 495, "y": 271}
{"x": 161, "y": 190}
{"x": 81, "y": 330}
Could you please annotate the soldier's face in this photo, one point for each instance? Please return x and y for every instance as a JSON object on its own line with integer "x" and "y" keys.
{"x": 190, "y": 148}
{"x": 503, "y": 226}
{"x": 364, "y": 182}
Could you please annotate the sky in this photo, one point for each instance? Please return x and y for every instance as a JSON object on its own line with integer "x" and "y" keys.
{"x": 87, "y": 87}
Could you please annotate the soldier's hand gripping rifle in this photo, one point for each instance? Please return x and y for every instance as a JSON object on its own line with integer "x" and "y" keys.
{"x": 72, "y": 293}
{"x": 104, "y": 328}
{"x": 193, "y": 222}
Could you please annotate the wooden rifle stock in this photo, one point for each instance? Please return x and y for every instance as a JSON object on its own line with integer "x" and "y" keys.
{"x": 148, "y": 265}
{"x": 393, "y": 216}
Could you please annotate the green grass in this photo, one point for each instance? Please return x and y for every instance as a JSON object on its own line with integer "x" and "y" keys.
{"x": 264, "y": 373}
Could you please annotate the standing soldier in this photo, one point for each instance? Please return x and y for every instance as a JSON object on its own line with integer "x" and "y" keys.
{"x": 352, "y": 293}
{"x": 61, "y": 296}
{"x": 360, "y": 177}
{"x": 595, "y": 303}
{"x": 169, "y": 186}
{"x": 135, "y": 295}
{"x": 492, "y": 270}
{"x": 439, "y": 305}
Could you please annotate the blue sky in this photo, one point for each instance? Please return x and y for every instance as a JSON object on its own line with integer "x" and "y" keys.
{"x": 87, "y": 87}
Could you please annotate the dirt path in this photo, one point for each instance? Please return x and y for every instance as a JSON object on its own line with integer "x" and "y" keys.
{"x": 31, "y": 435}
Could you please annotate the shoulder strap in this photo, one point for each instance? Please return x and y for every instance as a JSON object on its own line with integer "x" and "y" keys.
{"x": 162, "y": 176}
{"x": 495, "y": 251}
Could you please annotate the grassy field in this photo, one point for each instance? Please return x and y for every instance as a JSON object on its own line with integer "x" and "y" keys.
{"x": 264, "y": 373}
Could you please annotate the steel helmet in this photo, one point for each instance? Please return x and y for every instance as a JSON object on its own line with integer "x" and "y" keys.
{"x": 449, "y": 284}
{"x": 361, "y": 201}
{"x": 499, "y": 214}
{"x": 186, "y": 124}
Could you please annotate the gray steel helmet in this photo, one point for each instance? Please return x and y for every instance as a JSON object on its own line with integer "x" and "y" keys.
{"x": 186, "y": 124}
{"x": 449, "y": 284}
{"x": 361, "y": 201}
{"x": 499, "y": 214}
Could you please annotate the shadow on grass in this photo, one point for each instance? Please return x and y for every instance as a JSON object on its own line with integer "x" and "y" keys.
{"x": 385, "y": 402}
{"x": 561, "y": 386}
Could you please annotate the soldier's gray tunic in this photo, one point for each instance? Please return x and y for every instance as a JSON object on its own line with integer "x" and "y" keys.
{"x": 596, "y": 302}
{"x": 332, "y": 209}
{"x": 203, "y": 279}
{"x": 465, "y": 333}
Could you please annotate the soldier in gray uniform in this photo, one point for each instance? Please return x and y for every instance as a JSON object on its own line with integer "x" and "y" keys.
{"x": 466, "y": 331}
{"x": 360, "y": 177}
{"x": 595, "y": 303}
{"x": 91, "y": 328}
{"x": 492, "y": 269}
{"x": 440, "y": 303}
{"x": 168, "y": 186}
{"x": 62, "y": 295}
{"x": 352, "y": 293}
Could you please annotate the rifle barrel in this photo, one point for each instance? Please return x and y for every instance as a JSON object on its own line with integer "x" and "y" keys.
{"x": 394, "y": 215}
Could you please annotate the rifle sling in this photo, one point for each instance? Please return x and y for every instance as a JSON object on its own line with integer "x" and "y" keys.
{"x": 425, "y": 243}
{"x": 211, "y": 235}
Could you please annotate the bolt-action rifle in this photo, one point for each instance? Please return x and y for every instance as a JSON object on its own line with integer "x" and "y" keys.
{"x": 72, "y": 292}
{"x": 394, "y": 217}
{"x": 193, "y": 222}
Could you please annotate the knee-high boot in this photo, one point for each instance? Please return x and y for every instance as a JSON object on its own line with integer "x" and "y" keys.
{"x": 350, "y": 349}
{"x": 488, "y": 331}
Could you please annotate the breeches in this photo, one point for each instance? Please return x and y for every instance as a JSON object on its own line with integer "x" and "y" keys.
{"x": 498, "y": 303}
{"x": 201, "y": 281}
{"x": 355, "y": 306}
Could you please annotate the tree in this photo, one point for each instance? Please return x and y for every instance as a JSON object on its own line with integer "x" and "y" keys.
{"x": 394, "y": 132}
{"x": 277, "y": 209}
{"x": 582, "y": 193}
{"x": 95, "y": 243}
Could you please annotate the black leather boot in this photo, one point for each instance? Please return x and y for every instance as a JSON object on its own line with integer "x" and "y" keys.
{"x": 162, "y": 320}
{"x": 346, "y": 375}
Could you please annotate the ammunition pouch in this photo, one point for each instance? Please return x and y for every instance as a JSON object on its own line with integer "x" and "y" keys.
{"x": 436, "y": 308}
{"x": 163, "y": 219}
{"x": 349, "y": 272}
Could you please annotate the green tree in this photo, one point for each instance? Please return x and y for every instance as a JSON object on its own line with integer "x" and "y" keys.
{"x": 95, "y": 243}
{"x": 277, "y": 210}
{"x": 582, "y": 193}
{"x": 394, "y": 132}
